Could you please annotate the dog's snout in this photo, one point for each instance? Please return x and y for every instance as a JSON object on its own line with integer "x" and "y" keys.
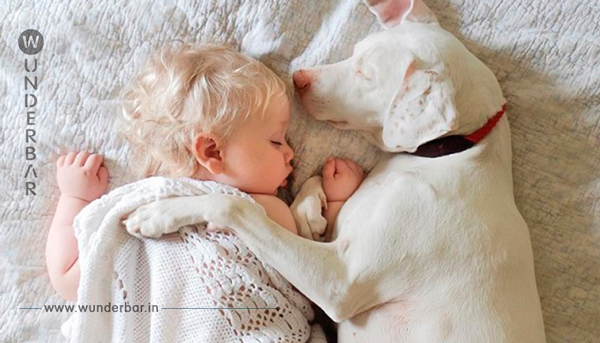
{"x": 302, "y": 80}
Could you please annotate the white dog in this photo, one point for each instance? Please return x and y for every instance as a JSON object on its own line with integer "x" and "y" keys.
{"x": 427, "y": 249}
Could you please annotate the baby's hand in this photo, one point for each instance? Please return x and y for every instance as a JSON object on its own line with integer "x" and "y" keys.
{"x": 341, "y": 177}
{"x": 80, "y": 175}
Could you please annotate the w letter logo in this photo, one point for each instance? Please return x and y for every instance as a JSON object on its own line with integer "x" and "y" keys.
{"x": 31, "y": 42}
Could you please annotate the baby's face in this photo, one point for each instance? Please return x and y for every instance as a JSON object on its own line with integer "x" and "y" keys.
{"x": 256, "y": 156}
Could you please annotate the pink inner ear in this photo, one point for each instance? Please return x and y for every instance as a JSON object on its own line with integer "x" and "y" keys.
{"x": 410, "y": 69}
{"x": 389, "y": 11}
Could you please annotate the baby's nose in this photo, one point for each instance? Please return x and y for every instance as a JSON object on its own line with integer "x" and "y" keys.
{"x": 302, "y": 80}
{"x": 289, "y": 154}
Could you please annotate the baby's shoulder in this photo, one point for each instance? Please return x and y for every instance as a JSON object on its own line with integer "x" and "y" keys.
{"x": 269, "y": 199}
{"x": 277, "y": 210}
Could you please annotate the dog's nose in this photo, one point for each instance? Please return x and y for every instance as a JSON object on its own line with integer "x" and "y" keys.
{"x": 302, "y": 80}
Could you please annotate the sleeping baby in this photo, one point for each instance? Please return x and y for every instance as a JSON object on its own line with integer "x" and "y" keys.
{"x": 204, "y": 112}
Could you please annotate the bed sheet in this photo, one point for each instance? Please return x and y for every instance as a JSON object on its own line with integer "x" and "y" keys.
{"x": 544, "y": 54}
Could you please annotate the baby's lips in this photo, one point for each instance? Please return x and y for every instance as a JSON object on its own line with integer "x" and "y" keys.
{"x": 289, "y": 174}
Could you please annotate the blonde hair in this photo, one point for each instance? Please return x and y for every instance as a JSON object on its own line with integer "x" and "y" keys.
{"x": 189, "y": 90}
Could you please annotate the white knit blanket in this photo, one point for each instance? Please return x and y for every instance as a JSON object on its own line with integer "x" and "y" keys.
{"x": 203, "y": 286}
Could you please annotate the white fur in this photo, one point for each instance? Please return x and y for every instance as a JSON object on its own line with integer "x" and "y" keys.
{"x": 426, "y": 250}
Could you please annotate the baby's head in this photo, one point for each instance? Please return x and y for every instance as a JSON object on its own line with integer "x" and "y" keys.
{"x": 211, "y": 113}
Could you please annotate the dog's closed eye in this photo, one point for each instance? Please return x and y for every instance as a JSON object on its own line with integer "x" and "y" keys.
{"x": 362, "y": 74}
{"x": 359, "y": 69}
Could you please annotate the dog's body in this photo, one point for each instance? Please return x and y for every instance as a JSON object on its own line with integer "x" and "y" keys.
{"x": 448, "y": 249}
{"x": 427, "y": 249}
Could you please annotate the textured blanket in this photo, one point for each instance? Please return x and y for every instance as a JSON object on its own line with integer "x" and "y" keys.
{"x": 193, "y": 286}
{"x": 545, "y": 55}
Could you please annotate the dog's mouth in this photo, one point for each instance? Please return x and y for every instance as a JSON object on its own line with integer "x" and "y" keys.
{"x": 335, "y": 122}
{"x": 340, "y": 125}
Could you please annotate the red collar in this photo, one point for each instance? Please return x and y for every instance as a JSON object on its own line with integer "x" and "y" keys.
{"x": 453, "y": 144}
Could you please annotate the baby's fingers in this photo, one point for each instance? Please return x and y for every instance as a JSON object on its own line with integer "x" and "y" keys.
{"x": 329, "y": 168}
{"x": 70, "y": 158}
{"x": 103, "y": 175}
{"x": 60, "y": 161}
{"x": 80, "y": 158}
{"x": 355, "y": 167}
{"x": 93, "y": 163}
{"x": 342, "y": 166}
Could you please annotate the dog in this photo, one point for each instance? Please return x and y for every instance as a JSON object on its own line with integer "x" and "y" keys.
{"x": 431, "y": 247}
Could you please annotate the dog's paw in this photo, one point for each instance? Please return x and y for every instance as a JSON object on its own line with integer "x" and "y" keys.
{"x": 152, "y": 220}
{"x": 307, "y": 209}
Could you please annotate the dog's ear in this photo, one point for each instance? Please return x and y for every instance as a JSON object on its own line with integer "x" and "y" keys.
{"x": 422, "y": 110}
{"x": 393, "y": 12}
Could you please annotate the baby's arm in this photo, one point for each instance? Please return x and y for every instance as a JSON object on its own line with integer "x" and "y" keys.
{"x": 341, "y": 177}
{"x": 277, "y": 210}
{"x": 81, "y": 179}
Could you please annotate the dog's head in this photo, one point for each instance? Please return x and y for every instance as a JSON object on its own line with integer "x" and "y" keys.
{"x": 404, "y": 86}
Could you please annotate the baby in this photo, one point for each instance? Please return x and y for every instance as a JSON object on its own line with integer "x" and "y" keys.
{"x": 205, "y": 112}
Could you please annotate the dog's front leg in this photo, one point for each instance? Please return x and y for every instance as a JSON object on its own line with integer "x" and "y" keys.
{"x": 307, "y": 209}
{"x": 319, "y": 270}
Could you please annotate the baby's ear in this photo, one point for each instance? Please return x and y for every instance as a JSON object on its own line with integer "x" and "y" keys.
{"x": 207, "y": 150}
